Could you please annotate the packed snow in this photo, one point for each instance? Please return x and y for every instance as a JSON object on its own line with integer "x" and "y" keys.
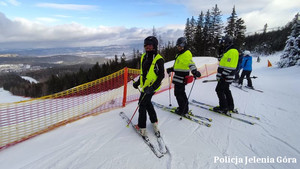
{"x": 104, "y": 141}
{"x": 30, "y": 79}
{"x": 8, "y": 97}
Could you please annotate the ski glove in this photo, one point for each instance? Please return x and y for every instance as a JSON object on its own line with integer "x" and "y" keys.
{"x": 136, "y": 84}
{"x": 196, "y": 73}
{"x": 149, "y": 90}
{"x": 170, "y": 69}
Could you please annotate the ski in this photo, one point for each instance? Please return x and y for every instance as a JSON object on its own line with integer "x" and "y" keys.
{"x": 211, "y": 109}
{"x": 235, "y": 112}
{"x": 187, "y": 116}
{"x": 254, "y": 89}
{"x": 240, "y": 88}
{"x": 199, "y": 117}
{"x": 146, "y": 139}
{"x": 161, "y": 143}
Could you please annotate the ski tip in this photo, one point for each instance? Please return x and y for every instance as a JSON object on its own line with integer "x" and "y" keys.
{"x": 210, "y": 120}
{"x": 127, "y": 125}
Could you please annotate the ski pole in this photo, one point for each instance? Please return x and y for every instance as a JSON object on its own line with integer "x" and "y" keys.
{"x": 136, "y": 110}
{"x": 138, "y": 104}
{"x": 170, "y": 104}
{"x": 188, "y": 98}
{"x": 205, "y": 81}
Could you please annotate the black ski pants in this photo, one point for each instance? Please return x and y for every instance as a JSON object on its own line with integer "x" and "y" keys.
{"x": 179, "y": 92}
{"x": 246, "y": 73}
{"x": 224, "y": 95}
{"x": 146, "y": 106}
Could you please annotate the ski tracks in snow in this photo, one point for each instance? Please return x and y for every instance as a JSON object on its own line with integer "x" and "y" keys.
{"x": 70, "y": 154}
{"x": 280, "y": 140}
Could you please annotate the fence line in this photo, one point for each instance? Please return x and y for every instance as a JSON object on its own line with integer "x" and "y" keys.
{"x": 23, "y": 120}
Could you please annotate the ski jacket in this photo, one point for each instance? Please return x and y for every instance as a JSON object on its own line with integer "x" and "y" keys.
{"x": 182, "y": 66}
{"x": 228, "y": 64}
{"x": 239, "y": 65}
{"x": 247, "y": 63}
{"x": 151, "y": 75}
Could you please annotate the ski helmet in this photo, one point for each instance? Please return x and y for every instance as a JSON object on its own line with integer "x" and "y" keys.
{"x": 247, "y": 52}
{"x": 151, "y": 40}
{"x": 181, "y": 42}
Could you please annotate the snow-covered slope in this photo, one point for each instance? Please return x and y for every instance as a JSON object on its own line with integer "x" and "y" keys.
{"x": 7, "y": 97}
{"x": 104, "y": 141}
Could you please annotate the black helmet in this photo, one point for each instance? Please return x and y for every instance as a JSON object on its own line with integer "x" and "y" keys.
{"x": 151, "y": 40}
{"x": 227, "y": 40}
{"x": 181, "y": 42}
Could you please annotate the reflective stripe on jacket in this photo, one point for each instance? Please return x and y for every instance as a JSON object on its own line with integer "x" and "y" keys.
{"x": 151, "y": 75}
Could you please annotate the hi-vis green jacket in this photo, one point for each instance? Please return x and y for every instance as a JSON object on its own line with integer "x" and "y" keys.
{"x": 150, "y": 79}
{"x": 227, "y": 65}
{"x": 182, "y": 66}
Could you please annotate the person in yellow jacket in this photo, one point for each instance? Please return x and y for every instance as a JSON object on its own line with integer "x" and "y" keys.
{"x": 182, "y": 66}
{"x": 151, "y": 75}
{"x": 225, "y": 75}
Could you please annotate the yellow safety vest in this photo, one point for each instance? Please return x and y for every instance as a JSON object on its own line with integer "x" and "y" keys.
{"x": 230, "y": 59}
{"x": 151, "y": 76}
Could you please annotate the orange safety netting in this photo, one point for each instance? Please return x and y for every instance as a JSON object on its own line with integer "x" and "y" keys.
{"x": 20, "y": 121}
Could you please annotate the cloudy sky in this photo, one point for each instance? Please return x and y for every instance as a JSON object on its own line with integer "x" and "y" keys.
{"x": 67, "y": 23}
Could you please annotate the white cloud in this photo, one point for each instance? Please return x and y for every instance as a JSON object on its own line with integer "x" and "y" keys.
{"x": 67, "y": 6}
{"x": 14, "y": 2}
{"x": 256, "y": 13}
{"x": 3, "y": 3}
{"x": 46, "y": 20}
{"x": 62, "y": 16}
{"x": 22, "y": 33}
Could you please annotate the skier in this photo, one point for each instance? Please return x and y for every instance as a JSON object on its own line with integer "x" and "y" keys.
{"x": 258, "y": 59}
{"x": 225, "y": 75}
{"x": 182, "y": 66}
{"x": 247, "y": 69}
{"x": 151, "y": 75}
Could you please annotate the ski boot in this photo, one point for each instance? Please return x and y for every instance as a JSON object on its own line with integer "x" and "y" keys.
{"x": 142, "y": 132}
{"x": 156, "y": 130}
{"x": 250, "y": 87}
{"x": 234, "y": 111}
{"x": 222, "y": 111}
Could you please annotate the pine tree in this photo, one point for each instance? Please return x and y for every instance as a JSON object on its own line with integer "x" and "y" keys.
{"x": 291, "y": 52}
{"x": 216, "y": 28}
{"x": 239, "y": 34}
{"x": 188, "y": 32}
{"x": 207, "y": 33}
{"x": 230, "y": 28}
{"x": 160, "y": 43}
{"x": 199, "y": 37}
{"x": 265, "y": 28}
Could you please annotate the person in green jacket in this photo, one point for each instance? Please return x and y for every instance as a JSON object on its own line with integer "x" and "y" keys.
{"x": 182, "y": 66}
{"x": 225, "y": 75}
{"x": 151, "y": 75}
